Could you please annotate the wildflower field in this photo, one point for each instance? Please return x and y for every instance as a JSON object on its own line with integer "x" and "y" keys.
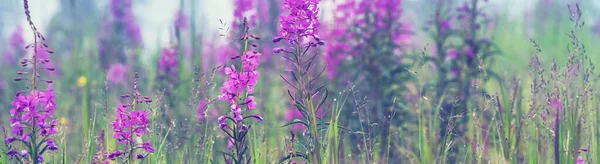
{"x": 299, "y": 81}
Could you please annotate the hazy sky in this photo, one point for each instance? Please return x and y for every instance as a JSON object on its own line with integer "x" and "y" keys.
{"x": 155, "y": 16}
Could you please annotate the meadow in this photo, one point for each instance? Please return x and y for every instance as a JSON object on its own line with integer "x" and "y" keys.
{"x": 302, "y": 81}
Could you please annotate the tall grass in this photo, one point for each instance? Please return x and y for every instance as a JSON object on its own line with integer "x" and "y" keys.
{"x": 540, "y": 108}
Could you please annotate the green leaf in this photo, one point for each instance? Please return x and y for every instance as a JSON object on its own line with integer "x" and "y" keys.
{"x": 295, "y": 121}
{"x": 289, "y": 156}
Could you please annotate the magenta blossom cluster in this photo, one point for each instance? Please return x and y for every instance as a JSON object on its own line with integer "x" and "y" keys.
{"x": 117, "y": 73}
{"x": 122, "y": 13}
{"x": 32, "y": 116}
{"x": 241, "y": 84}
{"x": 181, "y": 20}
{"x": 17, "y": 41}
{"x": 238, "y": 91}
{"x": 361, "y": 22}
{"x": 131, "y": 124}
{"x": 17, "y": 44}
{"x": 299, "y": 23}
{"x": 263, "y": 12}
{"x": 168, "y": 62}
{"x": 128, "y": 125}
{"x": 119, "y": 33}
{"x": 35, "y": 109}
{"x": 244, "y": 9}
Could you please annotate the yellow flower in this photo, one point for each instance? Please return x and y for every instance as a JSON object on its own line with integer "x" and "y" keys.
{"x": 81, "y": 81}
{"x": 63, "y": 120}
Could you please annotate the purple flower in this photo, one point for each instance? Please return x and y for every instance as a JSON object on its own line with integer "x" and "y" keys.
{"x": 122, "y": 15}
{"x": 139, "y": 156}
{"x": 263, "y": 12}
{"x": 118, "y": 33}
{"x": 277, "y": 50}
{"x": 11, "y": 152}
{"x": 452, "y": 53}
{"x": 17, "y": 42}
{"x": 455, "y": 71}
{"x": 181, "y": 20}
{"x": 556, "y": 104}
{"x": 115, "y": 154}
{"x": 200, "y": 115}
{"x": 38, "y": 106}
{"x": 300, "y": 22}
{"x": 469, "y": 52}
{"x": 239, "y": 81}
{"x": 222, "y": 123}
{"x": 130, "y": 125}
{"x": 238, "y": 91}
{"x": 24, "y": 153}
{"x": 237, "y": 113}
{"x": 127, "y": 123}
{"x": 444, "y": 26}
{"x": 168, "y": 62}
{"x": 8, "y": 58}
{"x": 243, "y": 9}
{"x": 9, "y": 140}
{"x": 250, "y": 102}
{"x": 463, "y": 8}
{"x": 359, "y": 21}
{"x": 580, "y": 160}
{"x": 134, "y": 32}
{"x": 40, "y": 158}
{"x": 148, "y": 147}
{"x": 51, "y": 145}
{"x": 116, "y": 73}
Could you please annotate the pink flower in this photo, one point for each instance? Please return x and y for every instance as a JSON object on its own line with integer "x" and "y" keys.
{"x": 452, "y": 53}
{"x": 444, "y": 26}
{"x": 127, "y": 123}
{"x": 129, "y": 126}
{"x": 469, "y": 52}
{"x": 116, "y": 73}
{"x": 301, "y": 20}
{"x": 222, "y": 123}
{"x": 148, "y": 147}
{"x": 244, "y": 9}
{"x": 556, "y": 104}
{"x": 580, "y": 160}
{"x": 200, "y": 109}
{"x": 9, "y": 58}
{"x": 168, "y": 62}
{"x": 239, "y": 81}
{"x": 250, "y": 102}
{"x": 38, "y": 106}
{"x": 33, "y": 110}
{"x": 181, "y": 20}
{"x": 17, "y": 42}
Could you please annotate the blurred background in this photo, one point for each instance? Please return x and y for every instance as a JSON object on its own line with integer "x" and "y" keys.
{"x": 179, "y": 47}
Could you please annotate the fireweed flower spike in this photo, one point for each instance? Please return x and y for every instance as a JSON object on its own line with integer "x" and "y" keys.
{"x": 32, "y": 115}
{"x": 120, "y": 33}
{"x": 237, "y": 92}
{"x": 371, "y": 37}
{"x": 131, "y": 124}
{"x": 300, "y": 29}
{"x": 167, "y": 73}
{"x": 17, "y": 44}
